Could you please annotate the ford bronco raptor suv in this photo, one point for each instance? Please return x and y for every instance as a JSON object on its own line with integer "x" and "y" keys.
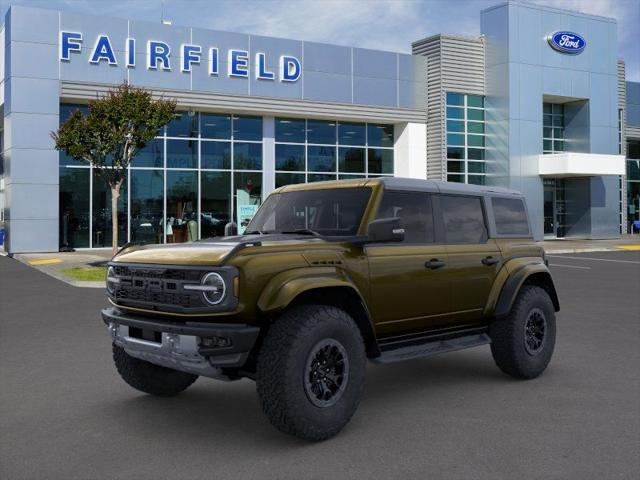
{"x": 326, "y": 276}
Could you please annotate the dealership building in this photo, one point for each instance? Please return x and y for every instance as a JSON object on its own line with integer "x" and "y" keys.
{"x": 538, "y": 103}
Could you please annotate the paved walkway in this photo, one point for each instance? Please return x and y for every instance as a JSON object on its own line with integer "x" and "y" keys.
{"x": 54, "y": 263}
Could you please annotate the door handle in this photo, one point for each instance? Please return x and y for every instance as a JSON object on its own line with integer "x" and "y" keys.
{"x": 434, "y": 263}
{"x": 489, "y": 260}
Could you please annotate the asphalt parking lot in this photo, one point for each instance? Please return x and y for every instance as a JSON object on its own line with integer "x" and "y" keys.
{"x": 65, "y": 413}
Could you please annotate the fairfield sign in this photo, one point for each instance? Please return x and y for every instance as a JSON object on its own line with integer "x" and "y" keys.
{"x": 159, "y": 56}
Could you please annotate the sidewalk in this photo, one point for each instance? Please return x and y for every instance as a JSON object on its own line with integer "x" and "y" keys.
{"x": 55, "y": 264}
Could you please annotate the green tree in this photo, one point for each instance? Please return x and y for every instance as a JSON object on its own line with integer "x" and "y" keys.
{"x": 117, "y": 126}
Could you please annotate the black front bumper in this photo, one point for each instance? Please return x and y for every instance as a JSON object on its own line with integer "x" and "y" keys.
{"x": 242, "y": 338}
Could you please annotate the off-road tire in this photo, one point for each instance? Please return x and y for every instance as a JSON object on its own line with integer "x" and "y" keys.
{"x": 283, "y": 366}
{"x": 150, "y": 378}
{"x": 508, "y": 337}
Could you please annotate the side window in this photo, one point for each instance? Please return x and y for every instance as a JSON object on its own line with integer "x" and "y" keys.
{"x": 510, "y": 215}
{"x": 415, "y": 214}
{"x": 463, "y": 219}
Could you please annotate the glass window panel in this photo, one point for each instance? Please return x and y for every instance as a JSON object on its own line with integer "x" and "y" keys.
{"x": 455, "y": 152}
{"x": 380, "y": 161}
{"x": 558, "y": 121}
{"x": 182, "y": 153}
{"x": 290, "y": 157}
{"x": 455, "y": 98}
{"x": 454, "y": 112}
{"x": 66, "y": 109}
{"x": 101, "y": 215}
{"x": 510, "y": 216}
{"x": 455, "y": 167}
{"x": 215, "y": 155}
{"x": 558, "y": 133}
{"x": 283, "y": 179}
{"x": 547, "y": 145}
{"x": 633, "y": 169}
{"x": 455, "y": 178}
{"x": 475, "y": 153}
{"x": 546, "y": 108}
{"x": 250, "y": 183}
{"x": 475, "y": 127}
{"x": 455, "y": 126}
{"x": 351, "y": 160}
{"x": 215, "y": 126}
{"x": 147, "y": 187}
{"x": 476, "y": 167}
{"x": 290, "y": 130}
{"x": 184, "y": 124}
{"x": 247, "y": 128}
{"x": 558, "y": 145}
{"x": 247, "y": 156}
{"x": 475, "y": 101}
{"x": 633, "y": 149}
{"x": 476, "y": 179}
{"x": 67, "y": 160}
{"x": 477, "y": 115}
{"x": 414, "y": 212}
{"x": 475, "y": 140}
{"x": 182, "y": 207}
{"x": 215, "y": 203}
{"x": 380, "y": 135}
{"x": 74, "y": 207}
{"x": 557, "y": 108}
{"x": 320, "y": 131}
{"x": 455, "y": 139}
{"x": 321, "y": 159}
{"x": 547, "y": 132}
{"x": 547, "y": 120}
{"x": 344, "y": 176}
{"x": 314, "y": 177}
{"x": 463, "y": 219}
{"x": 351, "y": 133}
{"x": 152, "y": 155}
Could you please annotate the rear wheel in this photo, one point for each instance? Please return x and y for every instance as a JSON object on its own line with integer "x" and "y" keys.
{"x": 150, "y": 378}
{"x": 311, "y": 371}
{"x": 522, "y": 343}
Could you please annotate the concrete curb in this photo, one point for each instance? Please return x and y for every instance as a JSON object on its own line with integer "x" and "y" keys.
{"x": 61, "y": 277}
{"x": 581, "y": 250}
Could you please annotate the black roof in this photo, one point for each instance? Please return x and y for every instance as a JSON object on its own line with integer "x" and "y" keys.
{"x": 400, "y": 183}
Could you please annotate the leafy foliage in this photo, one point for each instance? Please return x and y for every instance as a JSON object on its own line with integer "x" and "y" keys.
{"x": 117, "y": 126}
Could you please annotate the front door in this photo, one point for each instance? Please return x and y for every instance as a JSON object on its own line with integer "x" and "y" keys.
{"x": 474, "y": 259}
{"x": 408, "y": 280}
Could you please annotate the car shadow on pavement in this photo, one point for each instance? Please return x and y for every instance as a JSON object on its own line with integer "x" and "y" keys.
{"x": 210, "y": 410}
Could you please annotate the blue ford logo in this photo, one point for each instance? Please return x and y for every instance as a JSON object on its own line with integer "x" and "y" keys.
{"x": 567, "y": 42}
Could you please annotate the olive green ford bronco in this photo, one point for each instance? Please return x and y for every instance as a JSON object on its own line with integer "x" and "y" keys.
{"x": 326, "y": 276}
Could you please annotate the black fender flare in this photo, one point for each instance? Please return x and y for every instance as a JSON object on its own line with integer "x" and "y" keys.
{"x": 536, "y": 274}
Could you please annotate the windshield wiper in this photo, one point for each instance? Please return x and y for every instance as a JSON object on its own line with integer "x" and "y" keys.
{"x": 302, "y": 231}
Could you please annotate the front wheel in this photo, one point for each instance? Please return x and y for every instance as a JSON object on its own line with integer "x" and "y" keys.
{"x": 311, "y": 371}
{"x": 522, "y": 343}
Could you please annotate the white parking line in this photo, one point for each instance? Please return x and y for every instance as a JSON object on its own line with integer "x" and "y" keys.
{"x": 594, "y": 259}
{"x": 568, "y": 266}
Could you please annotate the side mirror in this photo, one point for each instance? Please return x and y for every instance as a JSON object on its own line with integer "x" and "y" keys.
{"x": 385, "y": 230}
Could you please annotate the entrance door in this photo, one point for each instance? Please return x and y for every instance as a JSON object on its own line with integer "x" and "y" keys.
{"x": 555, "y": 208}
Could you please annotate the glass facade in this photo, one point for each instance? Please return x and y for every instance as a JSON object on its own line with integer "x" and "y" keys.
{"x": 633, "y": 182}
{"x": 465, "y": 130}
{"x": 552, "y": 128}
{"x": 182, "y": 186}
{"x": 317, "y": 150}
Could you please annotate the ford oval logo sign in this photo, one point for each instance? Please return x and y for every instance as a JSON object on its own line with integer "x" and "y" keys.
{"x": 567, "y": 42}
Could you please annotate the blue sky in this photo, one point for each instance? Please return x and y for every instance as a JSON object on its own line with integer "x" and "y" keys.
{"x": 381, "y": 24}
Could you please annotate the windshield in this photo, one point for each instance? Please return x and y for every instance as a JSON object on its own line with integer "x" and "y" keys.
{"x": 327, "y": 212}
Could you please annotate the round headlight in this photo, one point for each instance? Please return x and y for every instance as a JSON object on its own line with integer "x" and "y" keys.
{"x": 214, "y": 288}
{"x": 111, "y": 286}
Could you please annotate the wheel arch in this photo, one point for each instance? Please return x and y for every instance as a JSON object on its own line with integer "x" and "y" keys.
{"x": 535, "y": 274}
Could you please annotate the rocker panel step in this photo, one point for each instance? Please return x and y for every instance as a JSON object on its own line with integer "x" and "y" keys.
{"x": 432, "y": 347}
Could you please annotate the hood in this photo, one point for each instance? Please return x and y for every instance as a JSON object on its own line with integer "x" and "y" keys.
{"x": 211, "y": 252}
{"x": 201, "y": 253}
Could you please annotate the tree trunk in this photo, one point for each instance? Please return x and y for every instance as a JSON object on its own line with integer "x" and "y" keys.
{"x": 115, "y": 194}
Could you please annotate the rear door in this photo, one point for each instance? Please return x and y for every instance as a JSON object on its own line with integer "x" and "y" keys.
{"x": 408, "y": 280}
{"x": 474, "y": 258}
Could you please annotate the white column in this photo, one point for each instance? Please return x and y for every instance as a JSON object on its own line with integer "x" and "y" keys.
{"x": 268, "y": 156}
{"x": 410, "y": 150}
